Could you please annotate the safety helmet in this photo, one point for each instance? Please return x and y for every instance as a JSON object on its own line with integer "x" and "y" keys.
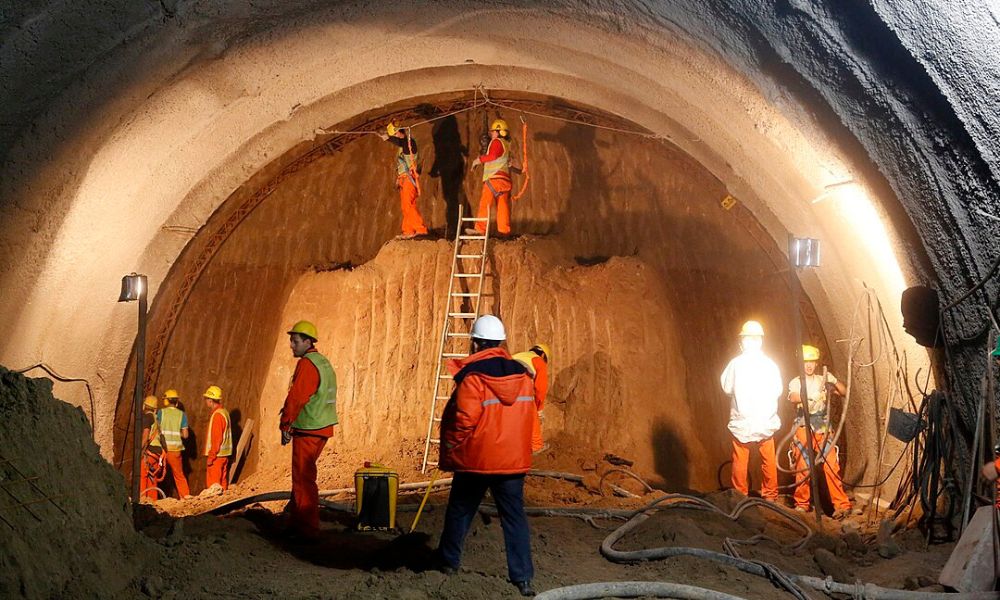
{"x": 213, "y": 392}
{"x": 151, "y": 402}
{"x": 488, "y": 327}
{"x": 996, "y": 351}
{"x": 171, "y": 394}
{"x": 545, "y": 350}
{"x": 810, "y": 353}
{"x": 525, "y": 359}
{"x": 752, "y": 328}
{"x": 499, "y": 125}
{"x": 305, "y": 328}
{"x": 391, "y": 128}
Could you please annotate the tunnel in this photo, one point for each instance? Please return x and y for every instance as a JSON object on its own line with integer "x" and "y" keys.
{"x": 227, "y": 152}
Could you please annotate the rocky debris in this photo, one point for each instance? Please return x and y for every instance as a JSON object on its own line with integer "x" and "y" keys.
{"x": 887, "y": 547}
{"x": 832, "y": 566}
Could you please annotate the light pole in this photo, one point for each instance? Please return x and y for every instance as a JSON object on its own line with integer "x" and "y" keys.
{"x": 134, "y": 288}
{"x": 803, "y": 253}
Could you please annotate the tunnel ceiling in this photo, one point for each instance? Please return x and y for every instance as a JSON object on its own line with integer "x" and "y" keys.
{"x": 125, "y": 125}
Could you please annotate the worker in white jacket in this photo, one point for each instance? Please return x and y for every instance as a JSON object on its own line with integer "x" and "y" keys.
{"x": 753, "y": 383}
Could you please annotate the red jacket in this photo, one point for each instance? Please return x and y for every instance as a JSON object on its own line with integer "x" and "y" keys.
{"x": 486, "y": 425}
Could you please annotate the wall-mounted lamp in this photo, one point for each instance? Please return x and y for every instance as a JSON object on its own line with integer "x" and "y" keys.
{"x": 134, "y": 289}
{"x": 804, "y": 252}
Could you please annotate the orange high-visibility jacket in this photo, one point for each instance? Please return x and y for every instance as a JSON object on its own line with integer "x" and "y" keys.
{"x": 486, "y": 425}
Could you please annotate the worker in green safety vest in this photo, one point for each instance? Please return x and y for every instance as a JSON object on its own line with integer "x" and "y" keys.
{"x": 307, "y": 420}
{"x": 173, "y": 430}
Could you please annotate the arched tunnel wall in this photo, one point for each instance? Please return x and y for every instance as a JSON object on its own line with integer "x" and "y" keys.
{"x": 120, "y": 142}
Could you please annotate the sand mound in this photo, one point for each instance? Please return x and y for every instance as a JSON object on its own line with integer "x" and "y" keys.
{"x": 78, "y": 543}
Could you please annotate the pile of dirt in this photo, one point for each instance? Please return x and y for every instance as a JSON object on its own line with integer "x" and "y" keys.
{"x": 65, "y": 523}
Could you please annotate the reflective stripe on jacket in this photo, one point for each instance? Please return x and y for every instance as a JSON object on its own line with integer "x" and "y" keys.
{"x": 500, "y": 166}
{"x": 170, "y": 421}
{"x": 226, "y": 447}
{"x": 486, "y": 425}
{"x": 321, "y": 409}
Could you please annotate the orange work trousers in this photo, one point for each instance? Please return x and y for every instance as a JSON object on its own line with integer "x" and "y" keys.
{"x": 176, "y": 466}
{"x": 831, "y": 469}
{"x": 304, "y": 506}
{"x": 768, "y": 467}
{"x": 413, "y": 223}
{"x": 148, "y": 468}
{"x": 501, "y": 186}
{"x": 218, "y": 472}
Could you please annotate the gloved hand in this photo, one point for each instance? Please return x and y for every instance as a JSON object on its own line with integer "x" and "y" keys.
{"x": 286, "y": 436}
{"x": 210, "y": 461}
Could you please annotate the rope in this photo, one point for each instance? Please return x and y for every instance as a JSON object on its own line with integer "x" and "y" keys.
{"x": 524, "y": 161}
{"x": 64, "y": 379}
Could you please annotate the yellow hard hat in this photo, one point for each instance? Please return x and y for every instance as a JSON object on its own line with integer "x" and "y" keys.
{"x": 305, "y": 328}
{"x": 545, "y": 350}
{"x": 525, "y": 359}
{"x": 171, "y": 394}
{"x": 391, "y": 128}
{"x": 151, "y": 402}
{"x": 499, "y": 125}
{"x": 810, "y": 353}
{"x": 214, "y": 392}
{"x": 752, "y": 328}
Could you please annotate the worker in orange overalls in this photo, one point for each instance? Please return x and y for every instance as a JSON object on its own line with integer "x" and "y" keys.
{"x": 152, "y": 466}
{"x": 991, "y": 470}
{"x": 536, "y": 361}
{"x": 307, "y": 420}
{"x": 406, "y": 179}
{"x": 173, "y": 430}
{"x": 753, "y": 383}
{"x": 496, "y": 179}
{"x": 818, "y": 389}
{"x": 218, "y": 444}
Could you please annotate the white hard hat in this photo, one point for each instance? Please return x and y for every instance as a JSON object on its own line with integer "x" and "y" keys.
{"x": 488, "y": 327}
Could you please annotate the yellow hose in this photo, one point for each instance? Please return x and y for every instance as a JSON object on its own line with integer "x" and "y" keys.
{"x": 427, "y": 493}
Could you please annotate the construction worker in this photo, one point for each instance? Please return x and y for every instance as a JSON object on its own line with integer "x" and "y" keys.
{"x": 536, "y": 361}
{"x": 173, "y": 430}
{"x": 486, "y": 440}
{"x": 818, "y": 387}
{"x": 991, "y": 470}
{"x": 496, "y": 179}
{"x": 218, "y": 444}
{"x": 406, "y": 178}
{"x": 753, "y": 383}
{"x": 307, "y": 420}
{"x": 151, "y": 470}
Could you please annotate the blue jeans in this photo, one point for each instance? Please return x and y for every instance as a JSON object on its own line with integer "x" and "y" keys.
{"x": 467, "y": 490}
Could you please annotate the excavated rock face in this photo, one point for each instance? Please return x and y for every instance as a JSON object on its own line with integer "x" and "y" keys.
{"x": 65, "y": 523}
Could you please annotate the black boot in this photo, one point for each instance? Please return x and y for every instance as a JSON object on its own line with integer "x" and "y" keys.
{"x": 525, "y": 588}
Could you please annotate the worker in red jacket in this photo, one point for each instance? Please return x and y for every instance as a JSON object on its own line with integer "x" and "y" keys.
{"x": 218, "y": 444}
{"x": 486, "y": 440}
{"x": 307, "y": 420}
{"x": 496, "y": 179}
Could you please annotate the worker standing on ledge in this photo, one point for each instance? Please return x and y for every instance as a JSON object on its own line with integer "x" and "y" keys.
{"x": 406, "y": 179}
{"x": 818, "y": 388}
{"x": 151, "y": 468}
{"x": 486, "y": 441}
{"x": 173, "y": 426}
{"x": 496, "y": 179}
{"x": 536, "y": 361}
{"x": 307, "y": 420}
{"x": 753, "y": 383}
{"x": 218, "y": 444}
{"x": 991, "y": 470}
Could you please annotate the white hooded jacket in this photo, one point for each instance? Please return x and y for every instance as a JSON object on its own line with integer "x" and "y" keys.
{"x": 753, "y": 383}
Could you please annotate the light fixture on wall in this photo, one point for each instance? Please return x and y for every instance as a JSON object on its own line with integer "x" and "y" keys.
{"x": 134, "y": 289}
{"x": 803, "y": 253}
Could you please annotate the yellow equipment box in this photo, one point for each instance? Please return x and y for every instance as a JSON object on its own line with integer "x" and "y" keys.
{"x": 375, "y": 489}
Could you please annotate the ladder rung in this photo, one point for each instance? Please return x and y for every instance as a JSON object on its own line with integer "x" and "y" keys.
{"x": 444, "y": 376}
{"x": 462, "y": 315}
{"x": 467, "y": 275}
{"x": 443, "y": 398}
{"x": 432, "y": 463}
{"x": 435, "y": 441}
{"x": 465, "y": 335}
{"x": 454, "y": 355}
{"x": 463, "y": 295}
{"x": 468, "y": 256}
{"x": 437, "y": 419}
{"x": 472, "y": 237}
{"x": 474, "y": 219}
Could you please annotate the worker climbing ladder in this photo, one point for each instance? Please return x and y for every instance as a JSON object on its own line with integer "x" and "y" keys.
{"x": 465, "y": 288}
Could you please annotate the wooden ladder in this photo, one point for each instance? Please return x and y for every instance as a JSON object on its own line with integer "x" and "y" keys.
{"x": 461, "y": 310}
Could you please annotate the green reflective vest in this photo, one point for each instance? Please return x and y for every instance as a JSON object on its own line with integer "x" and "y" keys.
{"x": 169, "y": 420}
{"x": 226, "y": 448}
{"x": 405, "y": 162}
{"x": 501, "y": 164}
{"x": 321, "y": 410}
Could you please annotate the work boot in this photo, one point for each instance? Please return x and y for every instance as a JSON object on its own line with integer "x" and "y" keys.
{"x": 525, "y": 588}
{"x": 841, "y": 513}
{"x": 471, "y": 231}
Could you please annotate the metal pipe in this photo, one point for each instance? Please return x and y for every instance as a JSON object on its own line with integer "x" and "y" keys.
{"x": 140, "y": 366}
